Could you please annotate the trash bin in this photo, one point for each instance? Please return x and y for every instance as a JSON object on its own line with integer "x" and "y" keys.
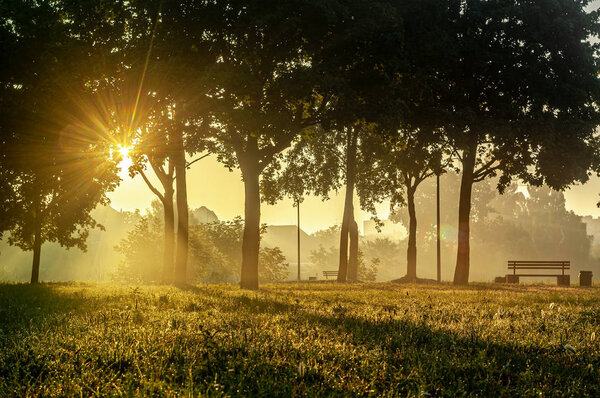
{"x": 585, "y": 278}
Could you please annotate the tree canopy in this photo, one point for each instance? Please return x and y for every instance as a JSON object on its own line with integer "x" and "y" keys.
{"x": 375, "y": 96}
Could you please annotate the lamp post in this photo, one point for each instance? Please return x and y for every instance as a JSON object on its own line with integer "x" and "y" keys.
{"x": 439, "y": 256}
{"x": 298, "y": 204}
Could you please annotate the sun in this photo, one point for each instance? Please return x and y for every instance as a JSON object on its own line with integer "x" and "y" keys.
{"x": 124, "y": 151}
{"x": 126, "y": 162}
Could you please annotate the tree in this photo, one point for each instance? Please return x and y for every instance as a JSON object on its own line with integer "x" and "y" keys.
{"x": 279, "y": 76}
{"x": 149, "y": 147}
{"x": 512, "y": 100}
{"x": 387, "y": 252}
{"x": 319, "y": 163}
{"x": 405, "y": 159}
{"x": 164, "y": 54}
{"x": 55, "y": 141}
{"x": 248, "y": 79}
{"x": 335, "y": 158}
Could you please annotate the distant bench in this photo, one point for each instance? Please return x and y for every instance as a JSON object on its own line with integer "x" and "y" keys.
{"x": 561, "y": 279}
{"x": 327, "y": 274}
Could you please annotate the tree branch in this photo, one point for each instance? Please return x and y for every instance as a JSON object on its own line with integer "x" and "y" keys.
{"x": 161, "y": 174}
{"x": 425, "y": 175}
{"x": 266, "y": 154}
{"x": 481, "y": 176}
{"x": 152, "y": 188}
{"x": 187, "y": 166}
{"x": 486, "y": 169}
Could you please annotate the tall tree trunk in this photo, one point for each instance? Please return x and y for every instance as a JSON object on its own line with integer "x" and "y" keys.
{"x": 169, "y": 237}
{"x": 37, "y": 237}
{"x": 411, "y": 251}
{"x": 37, "y": 252}
{"x": 343, "y": 258}
{"x": 461, "y": 272}
{"x": 181, "y": 256}
{"x": 348, "y": 204}
{"x": 353, "y": 258}
{"x": 251, "y": 239}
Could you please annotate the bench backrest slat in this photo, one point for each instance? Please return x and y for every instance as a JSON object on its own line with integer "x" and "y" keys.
{"x": 538, "y": 265}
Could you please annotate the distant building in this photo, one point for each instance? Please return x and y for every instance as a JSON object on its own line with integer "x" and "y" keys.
{"x": 593, "y": 227}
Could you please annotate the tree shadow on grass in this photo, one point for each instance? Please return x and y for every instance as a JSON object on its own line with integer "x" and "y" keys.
{"x": 382, "y": 350}
{"x": 25, "y": 306}
{"x": 441, "y": 361}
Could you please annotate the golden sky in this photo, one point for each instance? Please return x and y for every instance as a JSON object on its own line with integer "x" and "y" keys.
{"x": 212, "y": 185}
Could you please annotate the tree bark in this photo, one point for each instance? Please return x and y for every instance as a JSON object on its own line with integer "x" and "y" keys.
{"x": 166, "y": 180}
{"x": 37, "y": 252}
{"x": 348, "y": 205}
{"x": 169, "y": 236}
{"x": 353, "y": 259}
{"x": 251, "y": 238}
{"x": 461, "y": 272}
{"x": 411, "y": 251}
{"x": 343, "y": 258}
{"x": 181, "y": 256}
{"x": 37, "y": 238}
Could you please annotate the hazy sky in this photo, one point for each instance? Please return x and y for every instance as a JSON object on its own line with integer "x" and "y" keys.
{"x": 213, "y": 186}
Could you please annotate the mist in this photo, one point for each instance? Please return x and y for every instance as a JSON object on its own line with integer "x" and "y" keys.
{"x": 528, "y": 223}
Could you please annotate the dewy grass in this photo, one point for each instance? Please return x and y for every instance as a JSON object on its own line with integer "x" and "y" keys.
{"x": 298, "y": 339}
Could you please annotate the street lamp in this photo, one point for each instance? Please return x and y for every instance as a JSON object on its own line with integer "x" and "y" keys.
{"x": 439, "y": 256}
{"x": 298, "y": 205}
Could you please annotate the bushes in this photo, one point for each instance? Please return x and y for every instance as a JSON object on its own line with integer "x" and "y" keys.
{"x": 215, "y": 252}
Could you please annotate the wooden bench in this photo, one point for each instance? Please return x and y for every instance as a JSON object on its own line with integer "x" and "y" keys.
{"x": 327, "y": 274}
{"x": 561, "y": 279}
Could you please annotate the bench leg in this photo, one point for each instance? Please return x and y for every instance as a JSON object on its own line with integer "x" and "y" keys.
{"x": 512, "y": 278}
{"x": 563, "y": 280}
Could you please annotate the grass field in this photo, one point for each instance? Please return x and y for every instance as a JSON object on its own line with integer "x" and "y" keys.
{"x": 290, "y": 339}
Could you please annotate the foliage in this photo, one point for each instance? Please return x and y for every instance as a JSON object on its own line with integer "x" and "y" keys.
{"x": 54, "y": 142}
{"x": 498, "y": 111}
{"x": 494, "y": 100}
{"x": 215, "y": 252}
{"x": 329, "y": 236}
{"x": 386, "y": 254}
{"x": 141, "y": 251}
{"x": 367, "y": 271}
{"x": 309, "y": 340}
{"x": 272, "y": 265}
{"x": 325, "y": 259}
